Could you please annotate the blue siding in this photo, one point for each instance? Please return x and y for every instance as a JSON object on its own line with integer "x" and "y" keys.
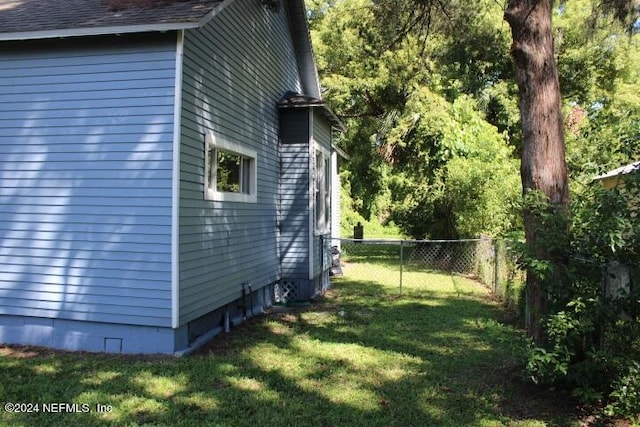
{"x": 321, "y": 246}
{"x": 296, "y": 225}
{"x": 294, "y": 126}
{"x": 294, "y": 210}
{"x": 321, "y": 130}
{"x": 85, "y": 179}
{"x": 235, "y": 70}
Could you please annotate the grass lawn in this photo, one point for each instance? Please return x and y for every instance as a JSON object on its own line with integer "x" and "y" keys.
{"x": 362, "y": 356}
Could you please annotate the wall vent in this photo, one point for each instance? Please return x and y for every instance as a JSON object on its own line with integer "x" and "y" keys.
{"x": 200, "y": 326}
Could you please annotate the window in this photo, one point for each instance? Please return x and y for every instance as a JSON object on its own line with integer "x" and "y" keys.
{"x": 230, "y": 172}
{"x": 322, "y": 190}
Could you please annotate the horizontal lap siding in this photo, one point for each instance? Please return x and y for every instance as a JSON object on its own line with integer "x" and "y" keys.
{"x": 294, "y": 194}
{"x": 321, "y": 249}
{"x": 294, "y": 205}
{"x": 321, "y": 130}
{"x": 235, "y": 70}
{"x": 85, "y": 179}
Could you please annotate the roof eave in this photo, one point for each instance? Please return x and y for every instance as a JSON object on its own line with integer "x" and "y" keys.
{"x": 624, "y": 170}
{"x": 119, "y": 29}
{"x": 97, "y": 31}
{"x": 304, "y": 49}
{"x": 340, "y": 152}
{"x": 208, "y": 17}
{"x": 333, "y": 119}
{"x": 326, "y": 111}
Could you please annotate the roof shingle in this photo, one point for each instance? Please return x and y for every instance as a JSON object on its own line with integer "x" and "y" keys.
{"x": 25, "y": 16}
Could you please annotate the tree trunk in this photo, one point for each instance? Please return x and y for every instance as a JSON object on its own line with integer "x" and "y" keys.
{"x": 543, "y": 165}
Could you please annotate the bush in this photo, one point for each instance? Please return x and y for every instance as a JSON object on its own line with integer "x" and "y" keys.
{"x": 592, "y": 333}
{"x": 350, "y": 217}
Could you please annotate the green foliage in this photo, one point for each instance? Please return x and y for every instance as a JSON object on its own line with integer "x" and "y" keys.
{"x": 473, "y": 55}
{"x": 593, "y": 330}
{"x": 453, "y": 173}
{"x": 607, "y": 222}
{"x": 626, "y": 392}
{"x": 598, "y": 65}
{"x": 414, "y": 82}
{"x": 500, "y": 104}
{"x": 422, "y": 150}
{"x": 607, "y": 137}
{"x": 432, "y": 114}
{"x": 591, "y": 58}
{"x": 376, "y": 227}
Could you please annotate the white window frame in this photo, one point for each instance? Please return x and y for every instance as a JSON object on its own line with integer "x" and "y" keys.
{"x": 322, "y": 189}
{"x": 246, "y": 195}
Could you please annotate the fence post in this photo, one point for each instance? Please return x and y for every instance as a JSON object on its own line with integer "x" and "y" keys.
{"x": 401, "y": 263}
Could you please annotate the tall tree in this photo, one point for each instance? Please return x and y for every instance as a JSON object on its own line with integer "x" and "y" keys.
{"x": 433, "y": 46}
{"x": 543, "y": 166}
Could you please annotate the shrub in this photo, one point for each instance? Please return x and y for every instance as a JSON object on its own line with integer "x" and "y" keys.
{"x": 593, "y": 334}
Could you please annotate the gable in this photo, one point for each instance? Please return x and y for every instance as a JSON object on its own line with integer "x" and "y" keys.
{"x": 43, "y": 19}
{"x": 86, "y": 136}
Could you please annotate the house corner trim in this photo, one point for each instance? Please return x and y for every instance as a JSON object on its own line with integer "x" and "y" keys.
{"x": 175, "y": 185}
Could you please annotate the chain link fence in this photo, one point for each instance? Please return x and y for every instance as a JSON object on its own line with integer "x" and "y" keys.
{"x": 395, "y": 261}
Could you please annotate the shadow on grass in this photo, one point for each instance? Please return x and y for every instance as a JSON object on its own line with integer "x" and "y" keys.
{"x": 360, "y": 356}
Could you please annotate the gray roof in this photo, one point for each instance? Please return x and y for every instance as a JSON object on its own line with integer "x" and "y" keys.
{"x": 624, "y": 170}
{"x": 297, "y": 100}
{"x": 293, "y": 99}
{"x": 51, "y": 18}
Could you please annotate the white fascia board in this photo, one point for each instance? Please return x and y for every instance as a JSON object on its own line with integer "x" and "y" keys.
{"x": 340, "y": 152}
{"x": 97, "y": 31}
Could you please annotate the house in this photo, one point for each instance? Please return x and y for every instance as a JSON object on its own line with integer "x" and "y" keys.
{"x": 165, "y": 170}
{"x": 616, "y": 177}
{"x": 619, "y": 276}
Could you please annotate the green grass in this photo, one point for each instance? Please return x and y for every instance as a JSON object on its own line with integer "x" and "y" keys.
{"x": 362, "y": 356}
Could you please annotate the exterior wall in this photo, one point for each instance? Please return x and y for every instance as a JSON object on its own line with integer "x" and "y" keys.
{"x": 321, "y": 130}
{"x": 235, "y": 70}
{"x": 302, "y": 42}
{"x": 321, "y": 247}
{"x": 294, "y": 220}
{"x": 87, "y": 336}
{"x": 305, "y": 249}
{"x": 85, "y": 190}
{"x": 294, "y": 193}
{"x": 612, "y": 181}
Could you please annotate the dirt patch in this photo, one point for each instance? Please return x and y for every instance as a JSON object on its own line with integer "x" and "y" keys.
{"x": 22, "y": 352}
